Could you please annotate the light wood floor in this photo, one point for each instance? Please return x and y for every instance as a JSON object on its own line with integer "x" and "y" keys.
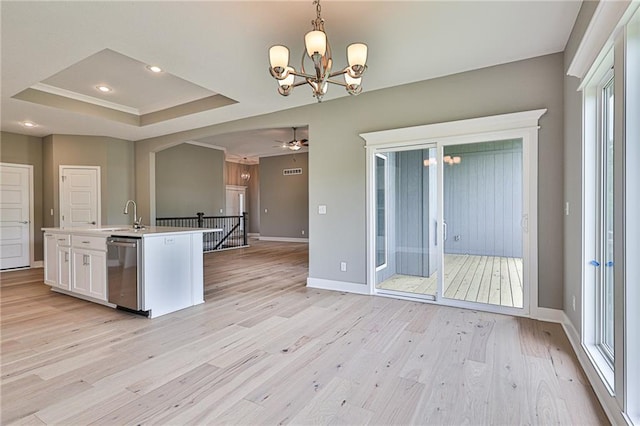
{"x": 483, "y": 279}
{"x": 264, "y": 349}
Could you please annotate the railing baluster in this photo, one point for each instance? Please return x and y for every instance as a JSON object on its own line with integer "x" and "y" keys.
{"x": 233, "y": 235}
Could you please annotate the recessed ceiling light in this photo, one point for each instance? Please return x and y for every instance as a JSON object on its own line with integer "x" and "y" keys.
{"x": 104, "y": 89}
{"x": 29, "y": 124}
{"x": 154, "y": 68}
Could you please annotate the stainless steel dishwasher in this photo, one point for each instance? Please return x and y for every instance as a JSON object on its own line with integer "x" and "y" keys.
{"x": 124, "y": 274}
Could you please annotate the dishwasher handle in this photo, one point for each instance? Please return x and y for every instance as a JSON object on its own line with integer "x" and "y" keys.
{"x": 121, "y": 244}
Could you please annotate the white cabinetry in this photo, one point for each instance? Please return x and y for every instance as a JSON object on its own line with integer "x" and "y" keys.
{"x": 50, "y": 259}
{"x": 57, "y": 261}
{"x": 89, "y": 266}
{"x": 64, "y": 267}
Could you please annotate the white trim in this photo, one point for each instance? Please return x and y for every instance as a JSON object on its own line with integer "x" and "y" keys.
{"x": 243, "y": 160}
{"x": 608, "y": 402}
{"x": 598, "y": 37}
{"x": 29, "y": 167}
{"x": 520, "y": 125}
{"x": 202, "y": 144}
{"x": 236, "y": 187}
{"x": 38, "y": 264}
{"x": 550, "y": 315}
{"x": 345, "y": 286}
{"x": 253, "y": 234}
{"x": 42, "y": 87}
{"x": 428, "y": 132}
{"x": 285, "y": 239}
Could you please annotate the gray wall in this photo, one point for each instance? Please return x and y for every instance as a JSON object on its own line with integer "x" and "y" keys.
{"x": 285, "y": 198}
{"x": 252, "y": 202}
{"x": 483, "y": 199}
{"x": 572, "y": 235}
{"x": 22, "y": 149}
{"x": 337, "y": 157}
{"x": 190, "y": 179}
{"x": 116, "y": 160}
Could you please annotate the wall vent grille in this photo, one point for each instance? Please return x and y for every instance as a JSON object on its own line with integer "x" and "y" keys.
{"x": 290, "y": 172}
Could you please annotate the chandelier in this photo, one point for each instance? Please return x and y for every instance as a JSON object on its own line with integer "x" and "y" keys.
{"x": 318, "y": 50}
{"x": 245, "y": 175}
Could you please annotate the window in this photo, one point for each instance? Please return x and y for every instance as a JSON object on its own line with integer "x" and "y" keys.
{"x": 598, "y": 209}
{"x": 604, "y": 227}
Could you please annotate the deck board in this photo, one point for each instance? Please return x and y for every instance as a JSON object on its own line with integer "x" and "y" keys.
{"x": 482, "y": 279}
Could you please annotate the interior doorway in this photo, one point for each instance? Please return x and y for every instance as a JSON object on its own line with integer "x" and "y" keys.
{"x": 79, "y": 196}
{"x": 16, "y": 215}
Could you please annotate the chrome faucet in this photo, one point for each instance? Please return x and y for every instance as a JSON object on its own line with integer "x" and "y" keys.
{"x": 137, "y": 221}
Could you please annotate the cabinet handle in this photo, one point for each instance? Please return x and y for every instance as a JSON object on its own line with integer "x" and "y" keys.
{"x": 62, "y": 239}
{"x": 66, "y": 256}
{"x": 86, "y": 242}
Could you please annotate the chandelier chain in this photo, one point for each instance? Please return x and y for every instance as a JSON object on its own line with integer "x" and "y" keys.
{"x": 318, "y": 23}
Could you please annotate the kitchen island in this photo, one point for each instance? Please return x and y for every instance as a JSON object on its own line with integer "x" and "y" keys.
{"x": 164, "y": 272}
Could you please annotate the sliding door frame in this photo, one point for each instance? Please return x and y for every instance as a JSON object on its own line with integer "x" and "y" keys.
{"x": 519, "y": 125}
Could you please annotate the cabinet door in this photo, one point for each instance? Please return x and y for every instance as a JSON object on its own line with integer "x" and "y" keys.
{"x": 80, "y": 282}
{"x": 50, "y": 259}
{"x": 98, "y": 275}
{"x": 64, "y": 267}
{"x": 90, "y": 273}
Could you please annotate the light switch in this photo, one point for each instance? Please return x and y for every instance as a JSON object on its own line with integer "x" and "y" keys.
{"x": 322, "y": 209}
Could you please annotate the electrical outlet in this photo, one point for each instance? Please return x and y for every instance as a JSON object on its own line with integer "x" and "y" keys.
{"x": 266, "y": 211}
{"x": 343, "y": 266}
{"x": 573, "y": 303}
{"x": 566, "y": 210}
{"x": 303, "y": 232}
{"x": 322, "y": 209}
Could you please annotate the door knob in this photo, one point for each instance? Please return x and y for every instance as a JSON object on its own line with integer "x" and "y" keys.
{"x": 24, "y": 222}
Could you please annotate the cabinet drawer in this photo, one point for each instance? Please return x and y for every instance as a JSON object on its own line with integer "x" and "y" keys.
{"x": 62, "y": 239}
{"x": 92, "y": 243}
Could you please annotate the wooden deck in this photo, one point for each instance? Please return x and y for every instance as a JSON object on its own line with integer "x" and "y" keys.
{"x": 483, "y": 279}
{"x": 265, "y": 349}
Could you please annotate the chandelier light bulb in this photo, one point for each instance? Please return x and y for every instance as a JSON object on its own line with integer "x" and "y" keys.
{"x": 357, "y": 55}
{"x": 279, "y": 58}
{"x": 352, "y": 81}
{"x": 315, "y": 42}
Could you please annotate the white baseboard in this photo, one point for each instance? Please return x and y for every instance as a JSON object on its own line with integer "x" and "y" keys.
{"x": 549, "y": 315}
{"x": 608, "y": 402}
{"x": 338, "y": 286}
{"x": 285, "y": 240}
{"x": 38, "y": 264}
{"x": 253, "y": 234}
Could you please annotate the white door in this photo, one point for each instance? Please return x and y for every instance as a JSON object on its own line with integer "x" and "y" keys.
{"x": 15, "y": 198}
{"x": 79, "y": 197}
{"x": 235, "y": 200}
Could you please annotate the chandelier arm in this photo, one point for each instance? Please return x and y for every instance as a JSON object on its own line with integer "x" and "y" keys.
{"x": 301, "y": 74}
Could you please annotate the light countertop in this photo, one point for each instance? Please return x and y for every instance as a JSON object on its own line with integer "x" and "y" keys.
{"x": 128, "y": 231}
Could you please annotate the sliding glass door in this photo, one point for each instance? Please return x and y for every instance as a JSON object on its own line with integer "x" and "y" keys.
{"x": 407, "y": 260}
{"x": 483, "y": 223}
{"x": 450, "y": 223}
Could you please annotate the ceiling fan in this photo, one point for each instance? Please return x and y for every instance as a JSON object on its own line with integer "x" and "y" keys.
{"x": 294, "y": 144}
